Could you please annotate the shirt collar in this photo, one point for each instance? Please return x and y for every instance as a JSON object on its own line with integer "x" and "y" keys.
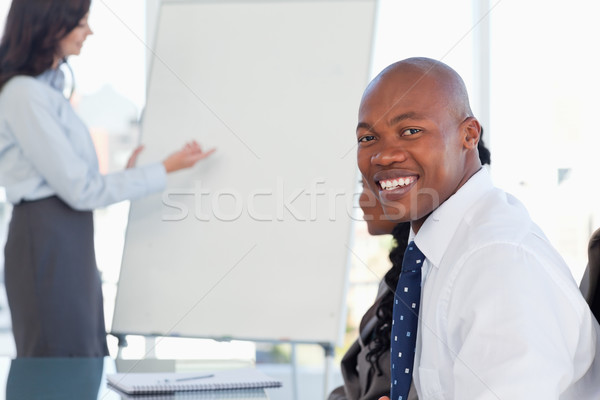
{"x": 438, "y": 229}
{"x": 53, "y": 77}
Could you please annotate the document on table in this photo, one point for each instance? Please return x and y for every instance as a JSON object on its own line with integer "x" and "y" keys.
{"x": 171, "y": 382}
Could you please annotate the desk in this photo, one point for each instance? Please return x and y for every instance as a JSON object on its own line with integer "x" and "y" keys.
{"x": 85, "y": 379}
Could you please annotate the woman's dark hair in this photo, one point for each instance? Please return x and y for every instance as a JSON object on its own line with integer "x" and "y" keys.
{"x": 383, "y": 327}
{"x": 484, "y": 153}
{"x": 32, "y": 34}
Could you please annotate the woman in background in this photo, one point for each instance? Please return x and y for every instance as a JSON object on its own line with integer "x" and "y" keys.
{"x": 49, "y": 169}
{"x": 366, "y": 364}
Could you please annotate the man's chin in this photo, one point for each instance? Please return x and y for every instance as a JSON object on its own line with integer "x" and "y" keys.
{"x": 396, "y": 212}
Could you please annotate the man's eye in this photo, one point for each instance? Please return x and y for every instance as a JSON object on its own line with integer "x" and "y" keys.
{"x": 366, "y": 138}
{"x": 410, "y": 131}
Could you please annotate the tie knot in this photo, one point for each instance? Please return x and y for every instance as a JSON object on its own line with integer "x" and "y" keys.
{"x": 413, "y": 258}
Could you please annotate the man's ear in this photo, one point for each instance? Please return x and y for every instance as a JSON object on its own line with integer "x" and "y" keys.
{"x": 471, "y": 130}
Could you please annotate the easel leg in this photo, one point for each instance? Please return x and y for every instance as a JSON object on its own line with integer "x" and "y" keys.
{"x": 294, "y": 372}
{"x": 121, "y": 345}
{"x": 328, "y": 348}
{"x": 150, "y": 347}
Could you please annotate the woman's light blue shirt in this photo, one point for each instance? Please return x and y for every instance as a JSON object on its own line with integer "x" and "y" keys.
{"x": 45, "y": 150}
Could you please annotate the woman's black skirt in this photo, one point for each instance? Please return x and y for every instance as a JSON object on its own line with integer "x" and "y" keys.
{"x": 52, "y": 282}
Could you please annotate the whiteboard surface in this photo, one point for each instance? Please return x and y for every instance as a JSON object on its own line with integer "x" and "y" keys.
{"x": 252, "y": 243}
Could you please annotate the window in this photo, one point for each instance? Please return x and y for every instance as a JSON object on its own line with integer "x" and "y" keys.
{"x": 544, "y": 134}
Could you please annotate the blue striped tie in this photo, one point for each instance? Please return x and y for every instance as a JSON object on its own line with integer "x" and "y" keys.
{"x": 405, "y": 322}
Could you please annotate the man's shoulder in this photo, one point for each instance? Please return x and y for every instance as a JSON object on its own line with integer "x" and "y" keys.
{"x": 500, "y": 224}
{"x": 499, "y": 215}
{"x": 499, "y": 238}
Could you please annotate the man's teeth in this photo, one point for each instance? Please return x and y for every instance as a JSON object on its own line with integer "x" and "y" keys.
{"x": 394, "y": 183}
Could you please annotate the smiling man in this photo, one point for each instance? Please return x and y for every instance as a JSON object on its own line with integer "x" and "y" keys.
{"x": 499, "y": 315}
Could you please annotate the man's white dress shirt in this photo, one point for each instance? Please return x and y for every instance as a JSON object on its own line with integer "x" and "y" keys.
{"x": 501, "y": 315}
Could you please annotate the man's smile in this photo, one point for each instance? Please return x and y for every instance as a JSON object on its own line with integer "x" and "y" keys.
{"x": 390, "y": 184}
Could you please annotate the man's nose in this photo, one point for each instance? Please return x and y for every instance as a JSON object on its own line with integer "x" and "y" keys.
{"x": 388, "y": 155}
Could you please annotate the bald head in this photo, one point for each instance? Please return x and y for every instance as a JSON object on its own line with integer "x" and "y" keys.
{"x": 417, "y": 138}
{"x": 421, "y": 73}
